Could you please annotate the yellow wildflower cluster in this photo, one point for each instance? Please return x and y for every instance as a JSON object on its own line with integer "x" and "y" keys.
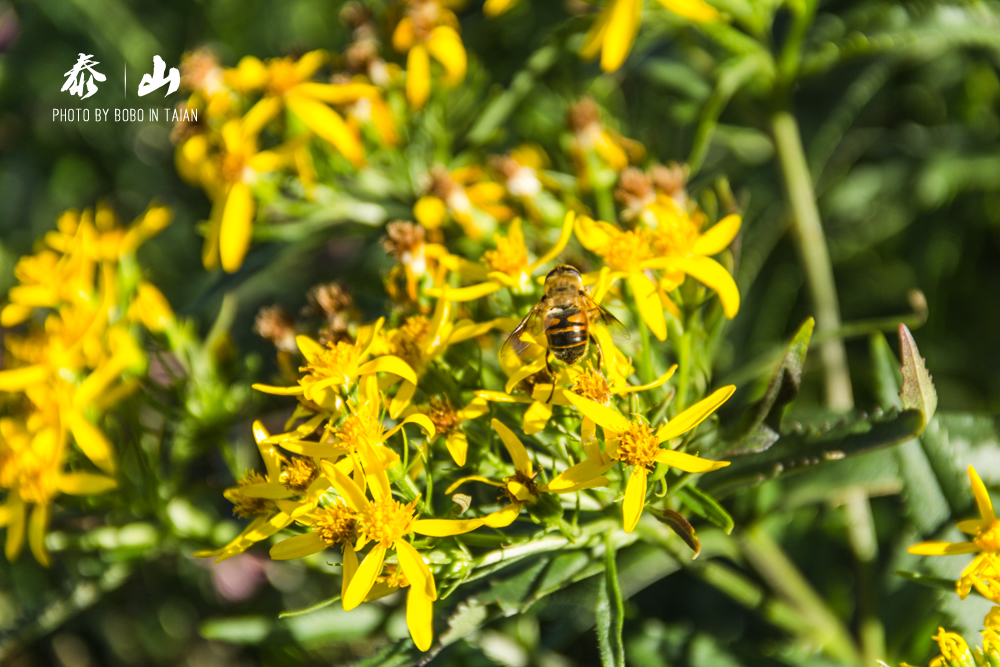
{"x": 69, "y": 356}
{"x": 983, "y": 574}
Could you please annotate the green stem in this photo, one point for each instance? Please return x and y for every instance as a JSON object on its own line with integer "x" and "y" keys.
{"x": 864, "y": 544}
{"x": 645, "y": 354}
{"x": 683, "y": 369}
{"x": 811, "y": 243}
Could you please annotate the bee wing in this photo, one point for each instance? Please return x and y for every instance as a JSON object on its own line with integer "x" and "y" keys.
{"x": 514, "y": 343}
{"x": 600, "y": 315}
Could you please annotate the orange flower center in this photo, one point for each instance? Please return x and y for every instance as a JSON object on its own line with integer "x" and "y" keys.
{"x": 386, "y": 521}
{"x": 299, "y": 474}
{"x": 442, "y": 415}
{"x": 283, "y": 76}
{"x": 360, "y": 428}
{"x": 335, "y": 360}
{"x": 407, "y": 342}
{"x": 638, "y": 445}
{"x": 592, "y": 385}
{"x": 676, "y": 232}
{"x": 626, "y": 250}
{"x": 246, "y": 507}
{"x": 336, "y": 524}
{"x": 509, "y": 257}
{"x": 528, "y": 482}
{"x": 988, "y": 538}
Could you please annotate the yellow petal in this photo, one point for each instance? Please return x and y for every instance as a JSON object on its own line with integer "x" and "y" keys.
{"x": 416, "y": 570}
{"x": 564, "y": 236}
{"x": 294, "y": 390}
{"x": 718, "y": 238}
{"x": 458, "y": 446}
{"x": 594, "y": 39}
{"x": 84, "y": 483}
{"x": 648, "y": 302}
{"x": 93, "y": 443}
{"x": 714, "y": 275}
{"x": 692, "y": 10}
{"x": 943, "y": 548}
{"x": 503, "y": 517}
{"x": 430, "y": 211}
{"x": 38, "y": 525}
{"x": 695, "y": 414}
{"x": 337, "y": 94}
{"x": 536, "y": 417}
{"x": 635, "y": 498}
{"x": 389, "y": 364}
{"x": 623, "y": 24}
{"x": 494, "y": 8}
{"x": 652, "y": 385}
{"x": 421, "y": 420}
{"x": 19, "y": 379}
{"x": 237, "y": 226}
{"x": 16, "y": 523}
{"x": 13, "y": 314}
{"x": 364, "y": 578}
{"x": 607, "y": 417}
{"x": 592, "y": 234}
{"x": 470, "y": 293}
{"x": 404, "y": 35}
{"x": 418, "y": 76}
{"x": 500, "y": 397}
{"x": 466, "y": 329}
{"x": 298, "y": 546}
{"x": 350, "y": 568}
{"x": 445, "y": 527}
{"x": 346, "y": 486}
{"x": 982, "y": 497}
{"x": 576, "y": 477}
{"x": 402, "y": 398}
{"x": 972, "y": 526}
{"x": 477, "y": 407}
{"x": 268, "y": 490}
{"x": 687, "y": 462}
{"x": 514, "y": 447}
{"x": 420, "y": 619}
{"x": 472, "y": 478}
{"x": 446, "y": 47}
{"x": 327, "y": 124}
{"x": 523, "y": 372}
{"x": 260, "y": 115}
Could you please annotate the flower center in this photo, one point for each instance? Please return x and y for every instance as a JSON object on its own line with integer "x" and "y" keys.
{"x": 246, "y": 507}
{"x": 335, "y": 360}
{"x": 30, "y": 474}
{"x": 952, "y": 646}
{"x": 626, "y": 250}
{"x": 386, "y": 521}
{"x": 592, "y": 385}
{"x": 676, "y": 232}
{"x": 299, "y": 474}
{"x": 442, "y": 415}
{"x": 360, "y": 428}
{"x": 638, "y": 445}
{"x": 520, "y": 487}
{"x": 988, "y": 539}
{"x": 336, "y": 524}
{"x": 407, "y": 342}
{"x": 509, "y": 257}
{"x": 283, "y": 76}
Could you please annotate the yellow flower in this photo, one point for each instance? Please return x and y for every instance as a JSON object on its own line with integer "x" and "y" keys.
{"x": 984, "y": 570}
{"x": 32, "y": 457}
{"x": 339, "y": 364}
{"x": 507, "y": 266}
{"x": 270, "y": 499}
{"x": 634, "y": 443}
{"x": 360, "y": 434}
{"x": 151, "y": 308}
{"x": 494, "y": 8}
{"x": 429, "y": 29}
{"x": 614, "y": 31}
{"x": 521, "y": 489}
{"x": 448, "y": 422}
{"x": 954, "y": 650}
{"x": 465, "y": 196}
{"x": 385, "y": 523}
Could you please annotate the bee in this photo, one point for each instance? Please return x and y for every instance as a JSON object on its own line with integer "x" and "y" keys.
{"x": 565, "y": 313}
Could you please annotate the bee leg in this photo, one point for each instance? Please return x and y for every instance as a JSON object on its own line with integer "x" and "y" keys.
{"x": 600, "y": 354}
{"x": 552, "y": 376}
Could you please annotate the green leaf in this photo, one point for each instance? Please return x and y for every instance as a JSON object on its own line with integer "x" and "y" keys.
{"x": 813, "y": 446}
{"x": 610, "y": 614}
{"x": 762, "y": 420}
{"x": 706, "y": 507}
{"x": 918, "y": 391}
{"x": 237, "y": 629}
{"x": 680, "y": 525}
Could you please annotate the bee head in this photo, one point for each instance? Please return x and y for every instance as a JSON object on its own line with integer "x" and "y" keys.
{"x": 561, "y": 270}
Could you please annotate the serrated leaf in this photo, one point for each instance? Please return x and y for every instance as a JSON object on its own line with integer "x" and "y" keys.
{"x": 682, "y": 527}
{"x": 762, "y": 421}
{"x": 918, "y": 391}
{"x": 706, "y": 507}
{"x": 802, "y": 450}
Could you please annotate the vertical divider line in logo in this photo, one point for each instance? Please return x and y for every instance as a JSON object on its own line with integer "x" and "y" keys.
{"x": 125, "y": 88}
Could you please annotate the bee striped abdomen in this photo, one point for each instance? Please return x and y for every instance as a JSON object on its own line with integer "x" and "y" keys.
{"x": 568, "y": 334}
